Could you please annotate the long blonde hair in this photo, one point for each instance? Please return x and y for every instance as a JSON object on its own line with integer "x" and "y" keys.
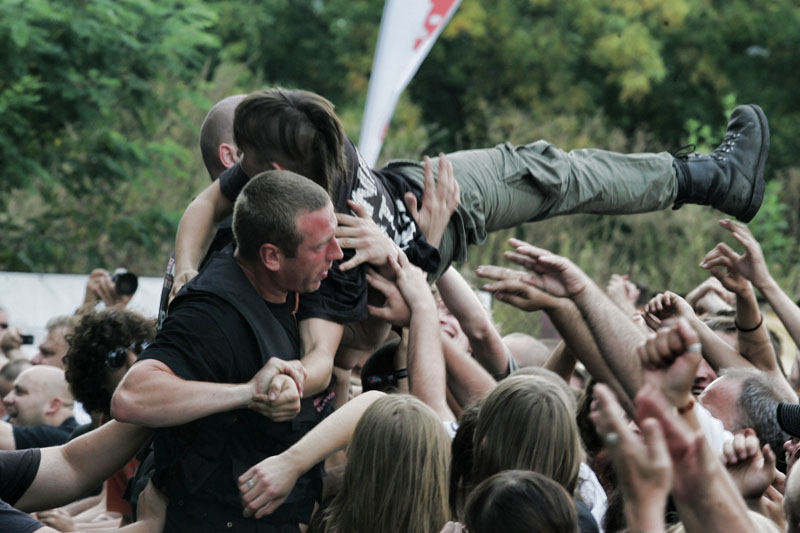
{"x": 528, "y": 423}
{"x": 396, "y": 476}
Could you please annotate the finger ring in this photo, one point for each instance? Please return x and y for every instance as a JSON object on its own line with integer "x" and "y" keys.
{"x": 696, "y": 347}
{"x": 249, "y": 483}
{"x": 611, "y": 439}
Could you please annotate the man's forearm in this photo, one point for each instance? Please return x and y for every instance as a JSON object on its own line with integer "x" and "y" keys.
{"x": 332, "y": 434}
{"x": 319, "y": 341}
{"x": 576, "y": 334}
{"x": 151, "y": 395}
{"x": 486, "y": 342}
{"x": 784, "y": 307}
{"x": 197, "y": 227}
{"x": 615, "y": 334}
{"x": 466, "y": 378}
{"x": 69, "y": 471}
{"x": 427, "y": 375}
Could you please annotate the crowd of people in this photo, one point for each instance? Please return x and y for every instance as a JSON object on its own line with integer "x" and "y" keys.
{"x": 317, "y": 363}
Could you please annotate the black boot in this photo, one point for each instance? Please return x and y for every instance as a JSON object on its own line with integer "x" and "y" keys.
{"x": 731, "y": 178}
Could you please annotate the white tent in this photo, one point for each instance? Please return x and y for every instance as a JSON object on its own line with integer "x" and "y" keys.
{"x": 33, "y": 299}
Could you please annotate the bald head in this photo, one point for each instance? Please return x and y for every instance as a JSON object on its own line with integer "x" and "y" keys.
{"x": 49, "y": 379}
{"x": 40, "y": 396}
{"x": 526, "y": 350}
{"x": 216, "y": 136}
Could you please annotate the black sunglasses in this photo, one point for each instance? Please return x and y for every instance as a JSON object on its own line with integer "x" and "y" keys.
{"x": 116, "y": 358}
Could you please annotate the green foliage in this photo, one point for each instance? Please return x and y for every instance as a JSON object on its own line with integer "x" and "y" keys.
{"x": 102, "y": 100}
{"x": 85, "y": 90}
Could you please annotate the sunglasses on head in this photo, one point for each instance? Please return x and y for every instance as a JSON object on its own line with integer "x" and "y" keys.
{"x": 116, "y": 358}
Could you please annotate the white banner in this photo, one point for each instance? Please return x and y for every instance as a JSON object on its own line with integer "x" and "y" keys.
{"x": 408, "y": 30}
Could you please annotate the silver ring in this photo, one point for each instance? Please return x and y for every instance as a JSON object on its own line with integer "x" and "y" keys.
{"x": 611, "y": 439}
{"x": 696, "y": 347}
{"x": 249, "y": 483}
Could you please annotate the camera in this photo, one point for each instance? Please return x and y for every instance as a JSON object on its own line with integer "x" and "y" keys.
{"x": 125, "y": 282}
{"x": 27, "y": 339}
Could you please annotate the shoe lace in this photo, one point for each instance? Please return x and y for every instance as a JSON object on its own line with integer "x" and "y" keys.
{"x": 684, "y": 151}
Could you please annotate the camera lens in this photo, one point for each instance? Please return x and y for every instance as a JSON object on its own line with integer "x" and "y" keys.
{"x": 125, "y": 282}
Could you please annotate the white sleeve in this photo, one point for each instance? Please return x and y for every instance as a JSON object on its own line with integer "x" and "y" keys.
{"x": 715, "y": 432}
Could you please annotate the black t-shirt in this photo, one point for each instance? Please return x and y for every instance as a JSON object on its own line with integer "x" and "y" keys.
{"x": 208, "y": 341}
{"x": 15, "y": 520}
{"x": 205, "y": 338}
{"x": 43, "y": 436}
{"x": 342, "y": 297}
{"x": 17, "y": 471}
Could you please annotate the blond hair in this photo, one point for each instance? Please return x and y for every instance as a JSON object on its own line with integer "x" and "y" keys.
{"x": 395, "y": 479}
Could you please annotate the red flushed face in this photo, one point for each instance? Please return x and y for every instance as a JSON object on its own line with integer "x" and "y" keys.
{"x": 316, "y": 253}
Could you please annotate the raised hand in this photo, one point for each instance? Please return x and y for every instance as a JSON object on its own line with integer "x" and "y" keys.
{"x": 751, "y": 466}
{"x": 439, "y": 200}
{"x": 710, "y": 296}
{"x": 509, "y": 287}
{"x": 100, "y": 287}
{"x": 642, "y": 464}
{"x": 751, "y": 264}
{"x": 394, "y": 310}
{"x": 555, "y": 275}
{"x": 361, "y": 234}
{"x": 623, "y": 292}
{"x": 665, "y": 306}
{"x": 411, "y": 281}
{"x": 721, "y": 257}
{"x": 670, "y": 359}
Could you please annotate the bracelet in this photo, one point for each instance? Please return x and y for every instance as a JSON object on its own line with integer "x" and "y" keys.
{"x": 402, "y": 373}
{"x": 686, "y": 408}
{"x": 746, "y": 330}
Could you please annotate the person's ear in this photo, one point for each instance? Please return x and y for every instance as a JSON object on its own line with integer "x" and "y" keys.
{"x": 228, "y": 154}
{"x": 53, "y": 406}
{"x": 269, "y": 254}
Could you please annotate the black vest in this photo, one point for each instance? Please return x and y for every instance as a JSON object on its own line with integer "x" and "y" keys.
{"x": 201, "y": 478}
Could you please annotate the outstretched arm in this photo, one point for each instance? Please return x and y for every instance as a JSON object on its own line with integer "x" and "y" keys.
{"x": 69, "y": 471}
{"x": 668, "y": 305}
{"x": 196, "y": 231}
{"x": 410, "y": 297}
{"x": 266, "y": 485}
{"x": 614, "y": 332}
{"x": 486, "y": 342}
{"x": 152, "y": 395}
{"x": 754, "y": 343}
{"x": 509, "y": 287}
{"x": 466, "y": 378}
{"x": 752, "y": 265}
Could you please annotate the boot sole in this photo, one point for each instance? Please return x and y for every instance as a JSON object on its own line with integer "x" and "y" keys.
{"x": 759, "y": 184}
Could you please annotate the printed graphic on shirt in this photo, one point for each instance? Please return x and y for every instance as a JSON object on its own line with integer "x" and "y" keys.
{"x": 391, "y": 216}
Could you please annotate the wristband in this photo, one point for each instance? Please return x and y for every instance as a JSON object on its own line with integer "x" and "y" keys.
{"x": 746, "y": 330}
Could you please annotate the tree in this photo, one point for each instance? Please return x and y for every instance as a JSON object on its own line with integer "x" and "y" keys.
{"x": 85, "y": 89}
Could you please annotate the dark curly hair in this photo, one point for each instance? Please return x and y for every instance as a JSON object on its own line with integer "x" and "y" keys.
{"x": 95, "y": 335}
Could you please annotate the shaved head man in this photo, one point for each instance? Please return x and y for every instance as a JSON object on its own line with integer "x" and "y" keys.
{"x": 40, "y": 409}
{"x": 216, "y": 136}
